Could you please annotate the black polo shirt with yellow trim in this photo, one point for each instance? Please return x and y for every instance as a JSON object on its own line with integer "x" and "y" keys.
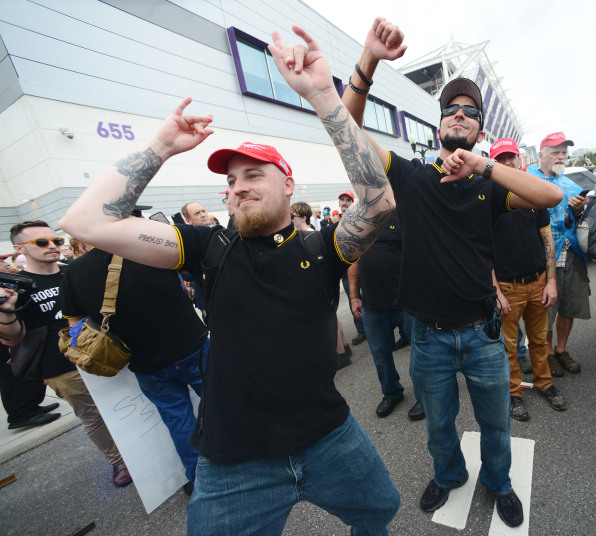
{"x": 519, "y": 246}
{"x": 448, "y": 247}
{"x": 268, "y": 388}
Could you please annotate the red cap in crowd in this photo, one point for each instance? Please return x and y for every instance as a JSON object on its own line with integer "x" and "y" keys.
{"x": 335, "y": 213}
{"x": 219, "y": 160}
{"x": 554, "y": 139}
{"x": 348, "y": 193}
{"x": 503, "y": 145}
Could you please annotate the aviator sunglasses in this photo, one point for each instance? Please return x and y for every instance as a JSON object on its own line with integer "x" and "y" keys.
{"x": 44, "y": 242}
{"x": 469, "y": 111}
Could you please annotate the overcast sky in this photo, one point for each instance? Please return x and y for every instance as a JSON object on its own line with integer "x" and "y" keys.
{"x": 545, "y": 52}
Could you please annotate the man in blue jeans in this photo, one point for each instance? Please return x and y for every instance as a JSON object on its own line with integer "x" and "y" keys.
{"x": 447, "y": 211}
{"x": 273, "y": 429}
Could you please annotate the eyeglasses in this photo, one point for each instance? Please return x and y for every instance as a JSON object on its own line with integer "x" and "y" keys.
{"x": 225, "y": 199}
{"x": 44, "y": 242}
{"x": 469, "y": 111}
{"x": 296, "y": 216}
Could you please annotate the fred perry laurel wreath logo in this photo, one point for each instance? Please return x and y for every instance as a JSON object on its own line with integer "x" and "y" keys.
{"x": 304, "y": 265}
{"x": 278, "y": 238}
{"x": 482, "y": 197}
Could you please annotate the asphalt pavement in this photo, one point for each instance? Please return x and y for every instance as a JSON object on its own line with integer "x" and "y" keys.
{"x": 63, "y": 484}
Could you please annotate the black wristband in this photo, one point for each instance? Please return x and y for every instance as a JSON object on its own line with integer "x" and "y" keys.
{"x": 357, "y": 89}
{"x": 9, "y": 323}
{"x": 16, "y": 336}
{"x": 361, "y": 75}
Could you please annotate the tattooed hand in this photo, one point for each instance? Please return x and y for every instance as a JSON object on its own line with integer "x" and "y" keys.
{"x": 179, "y": 133}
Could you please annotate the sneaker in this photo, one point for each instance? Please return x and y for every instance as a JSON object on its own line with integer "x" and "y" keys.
{"x": 49, "y": 407}
{"x": 416, "y": 412}
{"x": 554, "y": 398}
{"x": 36, "y": 420}
{"x": 358, "y": 339}
{"x": 524, "y": 364}
{"x": 510, "y": 509}
{"x": 518, "y": 410}
{"x": 120, "y": 476}
{"x": 387, "y": 405}
{"x": 434, "y": 496}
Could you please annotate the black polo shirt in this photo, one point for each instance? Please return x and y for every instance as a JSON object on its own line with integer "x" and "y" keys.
{"x": 45, "y": 309}
{"x": 268, "y": 387}
{"x": 448, "y": 248}
{"x": 519, "y": 246}
{"x": 380, "y": 266}
{"x": 154, "y": 314}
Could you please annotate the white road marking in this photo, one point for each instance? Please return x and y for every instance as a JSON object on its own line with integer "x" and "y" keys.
{"x": 455, "y": 511}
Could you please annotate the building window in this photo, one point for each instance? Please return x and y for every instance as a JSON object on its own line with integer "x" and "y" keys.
{"x": 418, "y": 130}
{"x": 379, "y": 115}
{"x": 257, "y": 74}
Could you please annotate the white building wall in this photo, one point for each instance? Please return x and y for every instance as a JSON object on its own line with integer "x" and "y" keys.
{"x": 79, "y": 62}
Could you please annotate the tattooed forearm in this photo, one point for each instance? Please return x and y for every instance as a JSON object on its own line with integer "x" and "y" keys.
{"x": 551, "y": 257}
{"x": 158, "y": 241}
{"x": 140, "y": 168}
{"x": 359, "y": 158}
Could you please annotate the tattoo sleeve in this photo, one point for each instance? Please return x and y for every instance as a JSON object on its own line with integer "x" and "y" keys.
{"x": 140, "y": 168}
{"x": 361, "y": 223}
{"x": 549, "y": 249}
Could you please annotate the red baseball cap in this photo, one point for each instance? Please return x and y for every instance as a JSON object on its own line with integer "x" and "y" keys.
{"x": 554, "y": 139}
{"x": 219, "y": 160}
{"x": 226, "y": 191}
{"x": 348, "y": 193}
{"x": 503, "y": 145}
{"x": 335, "y": 213}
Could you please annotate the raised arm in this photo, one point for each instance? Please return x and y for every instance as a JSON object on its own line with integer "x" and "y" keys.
{"x": 307, "y": 72}
{"x": 527, "y": 190}
{"x": 383, "y": 42}
{"x": 101, "y": 215}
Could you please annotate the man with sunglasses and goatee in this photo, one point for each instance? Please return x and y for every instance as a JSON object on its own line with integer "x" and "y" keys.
{"x": 447, "y": 211}
{"x": 42, "y": 306}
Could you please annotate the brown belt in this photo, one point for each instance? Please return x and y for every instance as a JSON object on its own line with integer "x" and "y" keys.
{"x": 451, "y": 327}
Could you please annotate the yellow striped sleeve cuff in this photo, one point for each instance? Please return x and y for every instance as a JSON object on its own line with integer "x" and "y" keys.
{"x": 180, "y": 249}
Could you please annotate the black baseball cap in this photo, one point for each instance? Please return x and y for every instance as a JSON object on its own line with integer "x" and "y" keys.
{"x": 462, "y": 86}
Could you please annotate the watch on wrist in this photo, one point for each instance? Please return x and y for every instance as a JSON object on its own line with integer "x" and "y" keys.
{"x": 489, "y": 168}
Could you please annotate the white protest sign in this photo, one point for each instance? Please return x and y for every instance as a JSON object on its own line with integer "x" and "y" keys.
{"x": 140, "y": 434}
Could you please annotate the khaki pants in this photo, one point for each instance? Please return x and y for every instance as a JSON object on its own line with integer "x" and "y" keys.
{"x": 72, "y": 388}
{"x": 526, "y": 303}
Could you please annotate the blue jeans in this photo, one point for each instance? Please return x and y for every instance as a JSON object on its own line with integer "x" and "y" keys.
{"x": 167, "y": 388}
{"x": 521, "y": 347}
{"x": 341, "y": 473}
{"x": 437, "y": 357}
{"x": 379, "y": 327}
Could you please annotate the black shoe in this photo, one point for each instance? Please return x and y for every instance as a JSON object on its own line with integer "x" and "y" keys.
{"x": 554, "y": 398}
{"x": 343, "y": 360}
{"x": 416, "y": 413}
{"x": 518, "y": 410}
{"x": 36, "y": 420}
{"x": 434, "y": 496}
{"x": 358, "y": 339}
{"x": 510, "y": 509}
{"x": 48, "y": 408}
{"x": 188, "y": 488}
{"x": 387, "y": 405}
{"x": 400, "y": 344}
{"x": 347, "y": 351}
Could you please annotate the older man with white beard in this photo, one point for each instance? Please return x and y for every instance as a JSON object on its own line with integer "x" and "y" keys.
{"x": 572, "y": 270}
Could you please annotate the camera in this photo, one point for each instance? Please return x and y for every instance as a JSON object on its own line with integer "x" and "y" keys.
{"x": 17, "y": 283}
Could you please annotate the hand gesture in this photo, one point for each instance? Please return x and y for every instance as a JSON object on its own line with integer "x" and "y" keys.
{"x": 303, "y": 67}
{"x": 179, "y": 133}
{"x": 8, "y": 299}
{"x": 384, "y": 40}
{"x": 459, "y": 164}
{"x": 549, "y": 295}
{"x": 577, "y": 203}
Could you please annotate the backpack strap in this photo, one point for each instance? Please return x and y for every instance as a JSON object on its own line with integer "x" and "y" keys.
{"x": 218, "y": 249}
{"x": 315, "y": 248}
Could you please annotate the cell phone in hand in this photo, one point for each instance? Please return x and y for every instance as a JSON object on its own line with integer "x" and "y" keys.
{"x": 160, "y": 216}
{"x": 584, "y": 193}
{"x": 177, "y": 218}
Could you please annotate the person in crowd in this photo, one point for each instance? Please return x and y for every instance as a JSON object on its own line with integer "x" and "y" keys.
{"x": 66, "y": 253}
{"x": 315, "y": 219}
{"x": 572, "y": 269}
{"x": 272, "y": 427}
{"x": 79, "y": 248}
{"x": 447, "y": 284}
{"x": 526, "y": 287}
{"x": 195, "y": 214}
{"x": 40, "y": 244}
{"x": 301, "y": 214}
{"x": 165, "y": 367}
{"x": 326, "y": 217}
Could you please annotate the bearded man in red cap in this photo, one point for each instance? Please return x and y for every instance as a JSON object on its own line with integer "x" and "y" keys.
{"x": 572, "y": 269}
{"x": 525, "y": 271}
{"x": 272, "y": 427}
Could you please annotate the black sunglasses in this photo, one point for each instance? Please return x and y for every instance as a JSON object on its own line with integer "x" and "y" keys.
{"x": 469, "y": 111}
{"x": 44, "y": 242}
